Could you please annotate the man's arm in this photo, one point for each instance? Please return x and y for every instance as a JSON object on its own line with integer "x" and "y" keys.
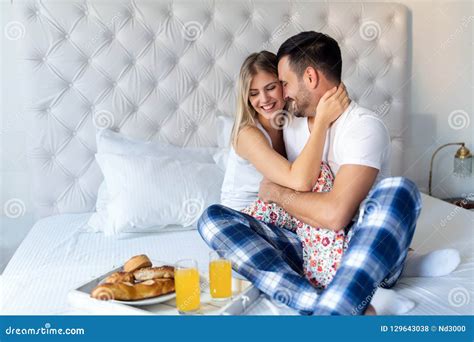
{"x": 332, "y": 210}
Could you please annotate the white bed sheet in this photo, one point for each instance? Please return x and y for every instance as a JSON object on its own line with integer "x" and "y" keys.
{"x": 58, "y": 255}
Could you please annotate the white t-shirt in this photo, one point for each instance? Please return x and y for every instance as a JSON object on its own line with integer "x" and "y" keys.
{"x": 358, "y": 136}
{"x": 241, "y": 180}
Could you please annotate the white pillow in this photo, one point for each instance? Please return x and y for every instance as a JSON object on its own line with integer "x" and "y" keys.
{"x": 109, "y": 141}
{"x": 158, "y": 191}
{"x": 221, "y": 157}
{"x": 224, "y": 131}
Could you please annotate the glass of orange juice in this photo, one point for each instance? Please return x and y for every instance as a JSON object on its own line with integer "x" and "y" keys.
{"x": 188, "y": 291}
{"x": 220, "y": 275}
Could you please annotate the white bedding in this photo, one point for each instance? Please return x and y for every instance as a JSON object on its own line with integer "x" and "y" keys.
{"x": 58, "y": 255}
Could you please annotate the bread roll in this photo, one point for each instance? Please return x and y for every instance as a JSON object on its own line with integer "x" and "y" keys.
{"x": 148, "y": 273}
{"x": 137, "y": 262}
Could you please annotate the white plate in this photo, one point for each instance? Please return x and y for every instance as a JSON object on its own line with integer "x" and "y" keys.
{"x": 148, "y": 301}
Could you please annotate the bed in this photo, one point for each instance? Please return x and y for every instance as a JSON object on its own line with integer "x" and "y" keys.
{"x": 125, "y": 59}
{"x": 59, "y": 255}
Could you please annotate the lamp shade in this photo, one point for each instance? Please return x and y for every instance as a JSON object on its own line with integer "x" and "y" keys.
{"x": 463, "y": 162}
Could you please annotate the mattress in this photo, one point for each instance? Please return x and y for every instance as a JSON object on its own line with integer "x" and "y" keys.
{"x": 59, "y": 254}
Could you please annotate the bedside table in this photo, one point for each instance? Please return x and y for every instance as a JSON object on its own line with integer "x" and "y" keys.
{"x": 462, "y": 202}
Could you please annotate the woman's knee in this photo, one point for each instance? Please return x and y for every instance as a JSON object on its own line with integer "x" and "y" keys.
{"x": 209, "y": 215}
{"x": 211, "y": 218}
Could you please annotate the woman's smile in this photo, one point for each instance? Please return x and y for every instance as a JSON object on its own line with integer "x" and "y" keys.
{"x": 268, "y": 108}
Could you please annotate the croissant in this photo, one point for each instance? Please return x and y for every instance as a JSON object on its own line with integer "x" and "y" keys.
{"x": 120, "y": 277}
{"x": 128, "y": 291}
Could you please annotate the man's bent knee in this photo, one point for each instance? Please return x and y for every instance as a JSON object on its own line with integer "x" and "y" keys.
{"x": 400, "y": 188}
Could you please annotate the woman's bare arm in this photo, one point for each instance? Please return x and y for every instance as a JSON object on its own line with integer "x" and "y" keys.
{"x": 302, "y": 174}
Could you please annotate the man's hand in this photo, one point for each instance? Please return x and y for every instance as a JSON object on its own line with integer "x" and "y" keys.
{"x": 270, "y": 192}
{"x": 331, "y": 210}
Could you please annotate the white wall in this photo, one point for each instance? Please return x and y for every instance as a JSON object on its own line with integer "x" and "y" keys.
{"x": 442, "y": 83}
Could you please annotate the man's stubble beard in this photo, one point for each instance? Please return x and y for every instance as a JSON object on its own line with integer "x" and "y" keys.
{"x": 304, "y": 102}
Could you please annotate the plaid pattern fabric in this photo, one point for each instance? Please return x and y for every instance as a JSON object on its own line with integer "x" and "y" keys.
{"x": 271, "y": 257}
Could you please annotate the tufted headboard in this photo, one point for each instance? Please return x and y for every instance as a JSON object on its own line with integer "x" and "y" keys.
{"x": 164, "y": 70}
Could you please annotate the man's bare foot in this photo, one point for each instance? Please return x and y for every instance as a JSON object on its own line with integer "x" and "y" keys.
{"x": 370, "y": 311}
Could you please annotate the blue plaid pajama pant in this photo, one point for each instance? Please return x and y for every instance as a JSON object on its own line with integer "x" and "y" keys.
{"x": 271, "y": 257}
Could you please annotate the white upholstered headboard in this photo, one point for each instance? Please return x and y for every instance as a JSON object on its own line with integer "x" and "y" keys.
{"x": 164, "y": 70}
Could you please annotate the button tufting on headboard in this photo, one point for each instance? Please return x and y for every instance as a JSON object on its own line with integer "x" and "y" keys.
{"x": 164, "y": 70}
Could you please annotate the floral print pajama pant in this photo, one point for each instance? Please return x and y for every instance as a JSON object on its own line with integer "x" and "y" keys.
{"x": 322, "y": 248}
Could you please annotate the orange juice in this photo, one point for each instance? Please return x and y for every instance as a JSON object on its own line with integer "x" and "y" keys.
{"x": 187, "y": 288}
{"x": 220, "y": 276}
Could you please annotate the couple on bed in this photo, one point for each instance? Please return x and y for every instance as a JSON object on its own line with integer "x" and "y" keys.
{"x": 309, "y": 211}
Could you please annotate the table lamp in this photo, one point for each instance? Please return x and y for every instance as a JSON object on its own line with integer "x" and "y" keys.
{"x": 462, "y": 162}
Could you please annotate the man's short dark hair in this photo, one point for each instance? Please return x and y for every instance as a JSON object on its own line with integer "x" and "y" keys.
{"x": 314, "y": 49}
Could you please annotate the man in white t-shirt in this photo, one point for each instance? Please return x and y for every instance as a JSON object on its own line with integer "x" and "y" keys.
{"x": 358, "y": 150}
{"x": 357, "y": 137}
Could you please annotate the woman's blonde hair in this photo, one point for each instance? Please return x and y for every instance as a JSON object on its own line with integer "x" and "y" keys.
{"x": 245, "y": 114}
